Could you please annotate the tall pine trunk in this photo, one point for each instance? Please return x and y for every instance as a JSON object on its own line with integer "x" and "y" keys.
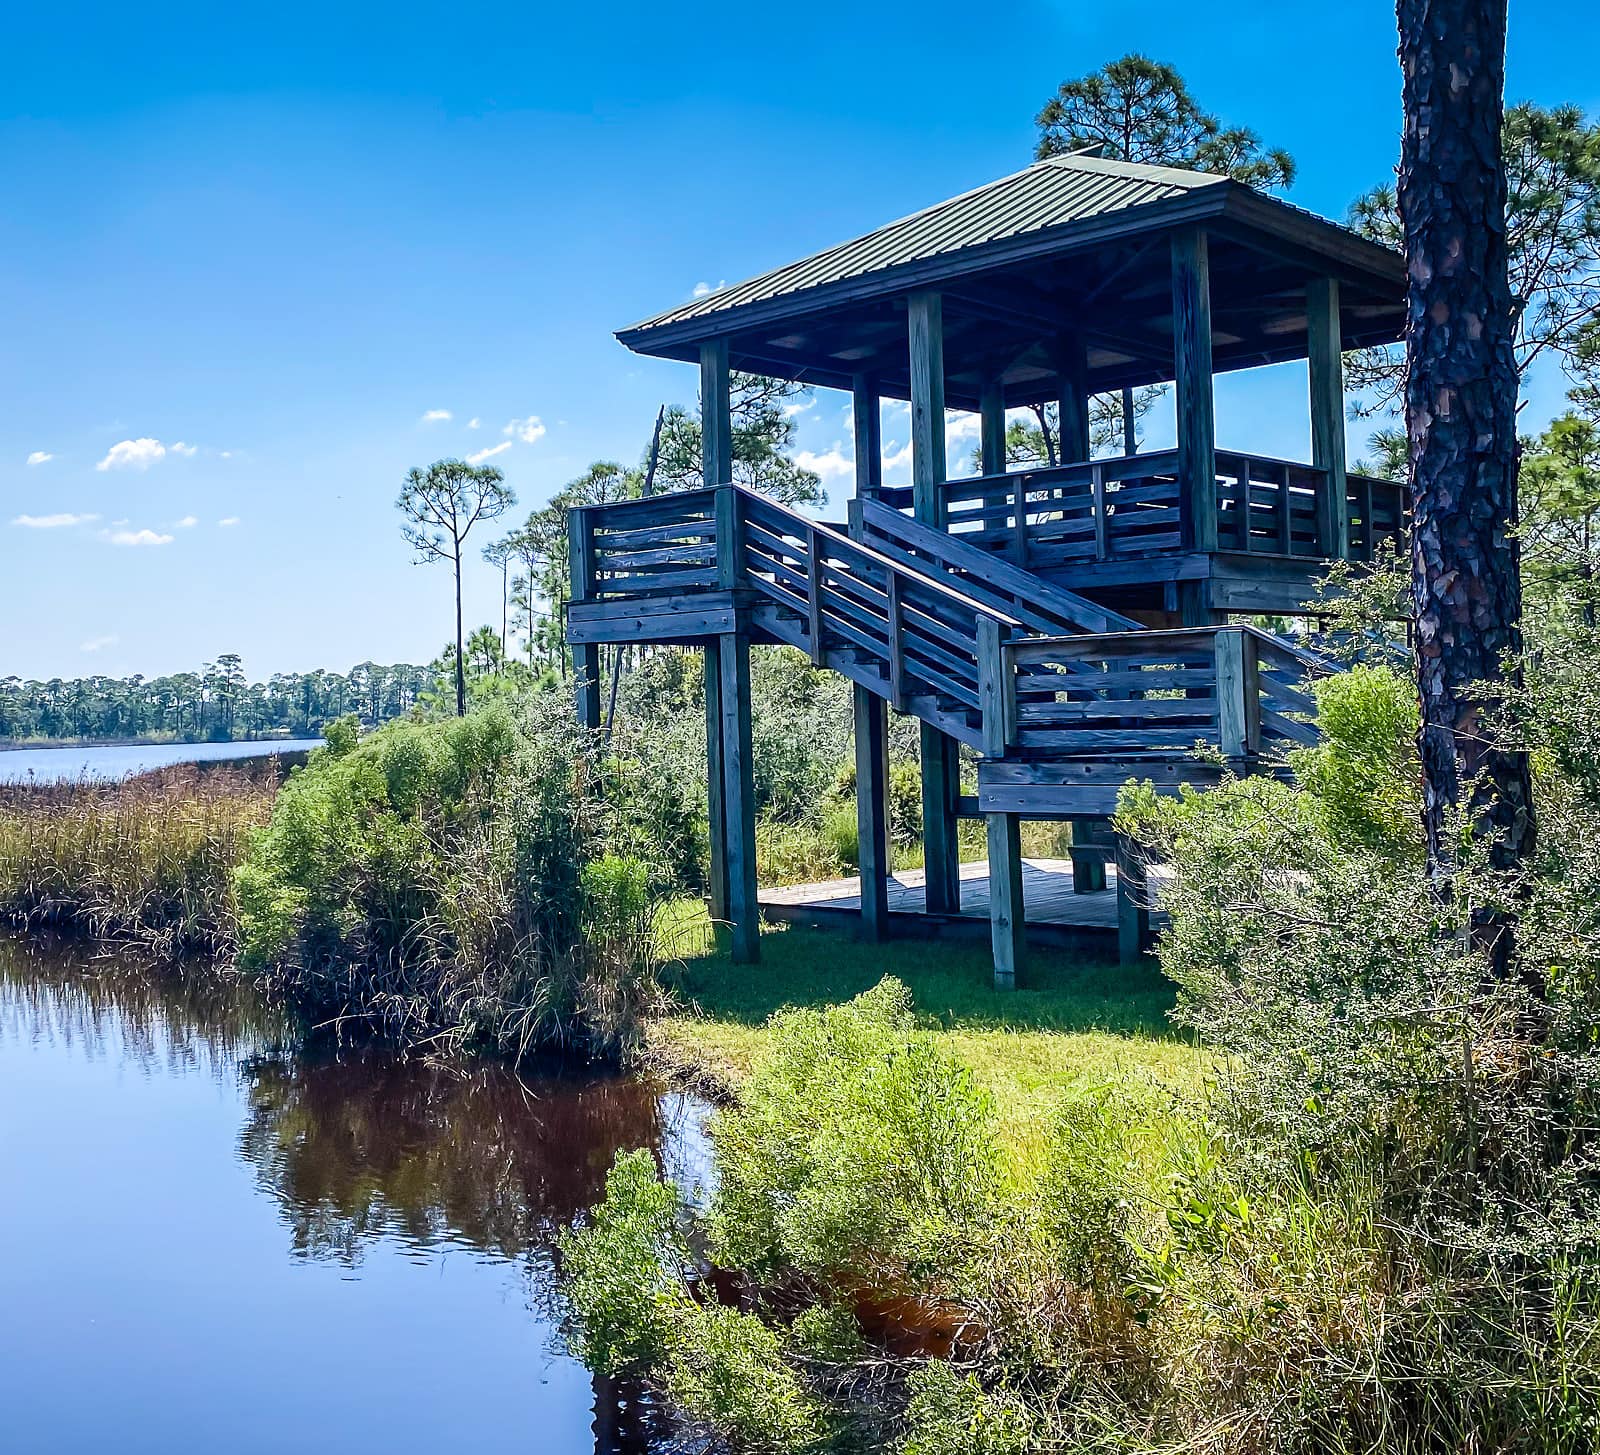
{"x": 461, "y": 665}
{"x": 1461, "y": 398}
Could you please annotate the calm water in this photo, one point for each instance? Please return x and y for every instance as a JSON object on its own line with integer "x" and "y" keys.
{"x": 211, "y": 1242}
{"x": 107, "y": 764}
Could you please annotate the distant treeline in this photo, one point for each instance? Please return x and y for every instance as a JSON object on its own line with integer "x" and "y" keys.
{"x": 217, "y": 703}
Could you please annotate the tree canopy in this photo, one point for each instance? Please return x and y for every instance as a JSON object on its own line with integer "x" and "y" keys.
{"x": 1141, "y": 110}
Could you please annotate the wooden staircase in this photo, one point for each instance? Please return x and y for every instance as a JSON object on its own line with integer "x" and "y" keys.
{"x": 1061, "y": 698}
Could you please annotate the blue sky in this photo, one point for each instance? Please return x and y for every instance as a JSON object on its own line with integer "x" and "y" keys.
{"x": 244, "y": 254}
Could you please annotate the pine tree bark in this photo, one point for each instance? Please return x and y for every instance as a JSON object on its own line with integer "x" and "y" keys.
{"x": 1461, "y": 397}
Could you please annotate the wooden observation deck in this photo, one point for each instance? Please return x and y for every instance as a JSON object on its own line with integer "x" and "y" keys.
{"x": 1068, "y": 627}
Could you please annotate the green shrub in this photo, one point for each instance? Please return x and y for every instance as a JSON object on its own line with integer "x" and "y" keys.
{"x": 950, "y": 1413}
{"x": 624, "y": 1272}
{"x": 858, "y": 1146}
{"x": 729, "y": 1369}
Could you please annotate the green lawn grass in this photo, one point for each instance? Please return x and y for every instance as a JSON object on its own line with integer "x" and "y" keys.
{"x": 1075, "y": 1021}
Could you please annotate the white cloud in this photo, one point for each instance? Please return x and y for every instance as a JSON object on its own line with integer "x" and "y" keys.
{"x": 95, "y": 644}
{"x": 224, "y": 454}
{"x": 187, "y": 451}
{"x": 40, "y": 457}
{"x": 187, "y": 522}
{"x": 705, "y": 290}
{"x": 433, "y": 416}
{"x": 51, "y": 522}
{"x": 229, "y": 520}
{"x": 139, "y": 454}
{"x": 136, "y": 538}
{"x": 832, "y": 464}
{"x": 474, "y": 422}
{"x": 490, "y": 453}
{"x": 527, "y": 430}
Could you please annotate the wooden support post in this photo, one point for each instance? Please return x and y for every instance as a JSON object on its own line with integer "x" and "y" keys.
{"x": 1197, "y": 434}
{"x": 992, "y": 428}
{"x": 941, "y": 847}
{"x": 1072, "y": 369}
{"x": 872, "y": 812}
{"x": 716, "y": 414}
{"x": 1323, "y": 345}
{"x": 738, "y": 797}
{"x": 1130, "y": 424}
{"x": 1092, "y": 841}
{"x": 941, "y": 782}
{"x": 925, "y": 315}
{"x": 866, "y": 417}
{"x": 997, "y": 689}
{"x": 1133, "y": 913}
{"x": 816, "y": 576}
{"x": 585, "y": 656}
{"x": 1228, "y": 653}
{"x": 1097, "y": 490}
{"x": 586, "y": 680}
{"x": 1007, "y": 916}
{"x": 716, "y": 815}
{"x": 730, "y": 548}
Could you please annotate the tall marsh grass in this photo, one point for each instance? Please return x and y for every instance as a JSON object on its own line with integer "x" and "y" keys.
{"x": 150, "y": 859}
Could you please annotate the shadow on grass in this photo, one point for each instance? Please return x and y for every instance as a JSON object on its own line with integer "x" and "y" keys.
{"x": 950, "y": 982}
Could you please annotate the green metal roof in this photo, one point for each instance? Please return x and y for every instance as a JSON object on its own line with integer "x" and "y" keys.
{"x": 1048, "y": 194}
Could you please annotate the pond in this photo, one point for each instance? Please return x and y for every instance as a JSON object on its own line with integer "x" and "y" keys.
{"x": 108, "y": 762}
{"x": 211, "y": 1238}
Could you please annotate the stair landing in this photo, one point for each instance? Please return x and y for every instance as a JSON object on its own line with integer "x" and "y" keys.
{"x": 1055, "y": 915}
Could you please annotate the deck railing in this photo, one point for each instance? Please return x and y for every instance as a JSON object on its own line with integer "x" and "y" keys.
{"x": 1100, "y": 510}
{"x": 1232, "y": 688}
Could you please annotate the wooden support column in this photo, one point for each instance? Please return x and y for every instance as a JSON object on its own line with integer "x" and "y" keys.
{"x": 1326, "y": 356}
{"x": 1197, "y": 431}
{"x": 716, "y": 814}
{"x": 1092, "y": 843}
{"x": 1072, "y": 370}
{"x": 586, "y": 655}
{"x": 1133, "y": 914}
{"x": 716, "y": 414}
{"x": 866, "y": 417}
{"x": 872, "y": 812}
{"x": 738, "y": 797}
{"x": 941, "y": 761}
{"x": 1007, "y": 921}
{"x": 992, "y": 428}
{"x": 925, "y": 317}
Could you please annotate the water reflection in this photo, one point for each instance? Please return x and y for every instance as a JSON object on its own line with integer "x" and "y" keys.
{"x": 177, "y": 1174}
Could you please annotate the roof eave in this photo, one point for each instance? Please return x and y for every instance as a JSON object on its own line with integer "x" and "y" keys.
{"x": 658, "y": 339}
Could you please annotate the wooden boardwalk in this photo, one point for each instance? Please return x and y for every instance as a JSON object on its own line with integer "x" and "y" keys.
{"x": 1053, "y": 912}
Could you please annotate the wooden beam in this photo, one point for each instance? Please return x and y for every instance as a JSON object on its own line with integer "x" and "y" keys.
{"x": 925, "y": 315}
{"x": 1323, "y": 344}
{"x": 1192, "y": 370}
{"x": 1071, "y": 355}
{"x": 715, "y": 814}
{"x": 872, "y": 812}
{"x": 738, "y": 797}
{"x": 716, "y": 414}
{"x": 866, "y": 415}
{"x": 1007, "y": 919}
{"x": 586, "y": 680}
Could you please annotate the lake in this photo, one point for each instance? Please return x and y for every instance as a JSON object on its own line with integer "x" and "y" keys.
{"x": 107, "y": 763}
{"x": 212, "y": 1239}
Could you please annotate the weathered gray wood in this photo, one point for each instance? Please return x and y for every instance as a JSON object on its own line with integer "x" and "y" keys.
{"x": 716, "y": 414}
{"x": 866, "y": 418}
{"x": 730, "y": 554}
{"x": 1072, "y": 368}
{"x": 997, "y": 689}
{"x": 580, "y": 554}
{"x": 925, "y": 315}
{"x": 715, "y": 775}
{"x": 872, "y": 811}
{"x": 1232, "y": 730}
{"x": 992, "y": 428}
{"x": 1098, "y": 486}
{"x": 1133, "y": 910}
{"x": 1088, "y": 869}
{"x": 815, "y": 578}
{"x": 586, "y": 682}
{"x": 1324, "y": 346}
{"x": 897, "y": 647}
{"x": 738, "y": 796}
{"x": 1191, "y": 337}
{"x": 1006, "y": 912}
{"x": 941, "y": 850}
